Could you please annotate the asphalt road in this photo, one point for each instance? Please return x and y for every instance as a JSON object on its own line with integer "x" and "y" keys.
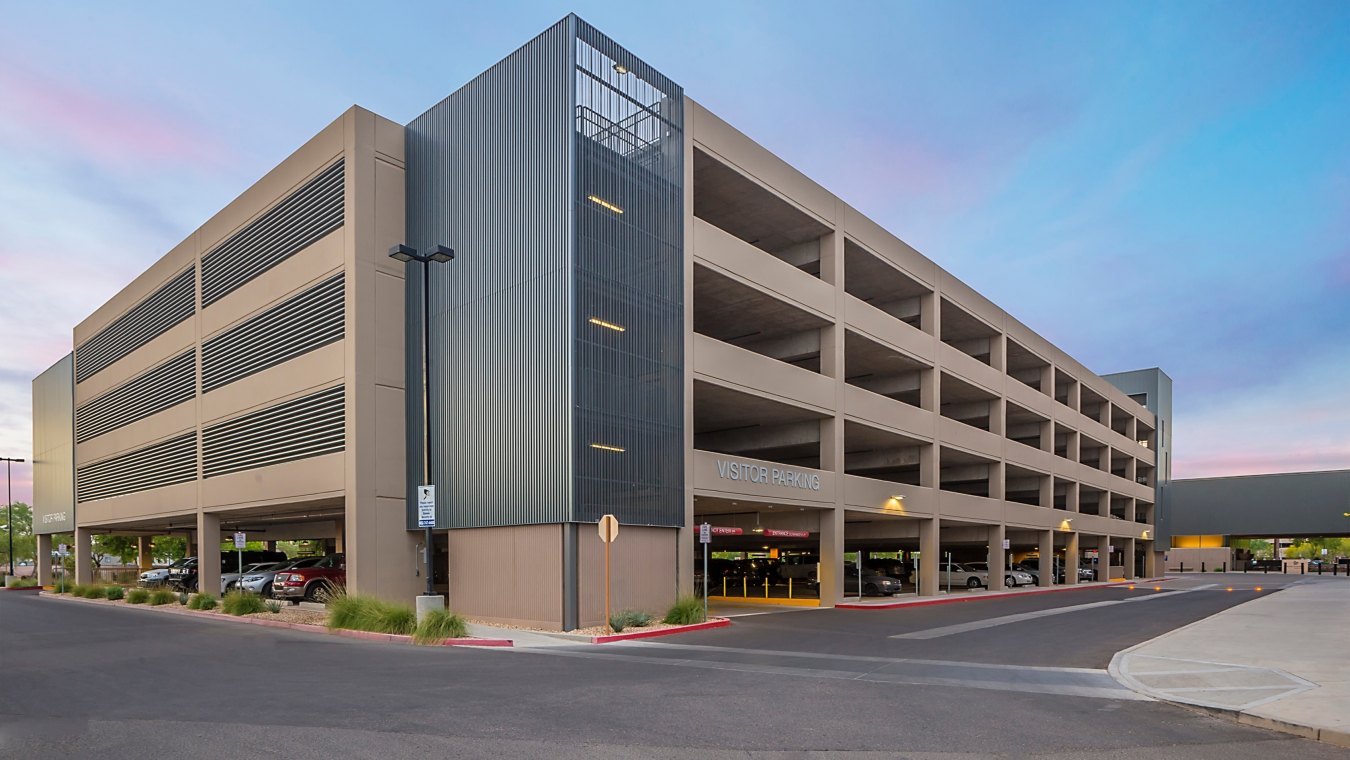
{"x": 995, "y": 678}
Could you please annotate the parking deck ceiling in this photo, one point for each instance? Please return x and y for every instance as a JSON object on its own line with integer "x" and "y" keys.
{"x": 959, "y": 324}
{"x": 256, "y": 519}
{"x": 870, "y": 279}
{"x": 718, "y": 408}
{"x": 864, "y": 357}
{"x": 731, "y": 311}
{"x": 733, "y": 202}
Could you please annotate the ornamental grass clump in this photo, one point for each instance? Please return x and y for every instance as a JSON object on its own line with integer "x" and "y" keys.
{"x": 114, "y": 593}
{"x": 202, "y": 602}
{"x": 138, "y": 596}
{"x": 240, "y": 602}
{"x": 629, "y": 619}
{"x": 438, "y": 626}
{"x": 686, "y": 610}
{"x": 364, "y": 613}
{"x": 162, "y": 596}
{"x": 22, "y": 583}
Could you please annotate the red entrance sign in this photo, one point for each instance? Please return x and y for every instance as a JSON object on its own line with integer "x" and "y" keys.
{"x": 718, "y": 530}
{"x": 786, "y": 533}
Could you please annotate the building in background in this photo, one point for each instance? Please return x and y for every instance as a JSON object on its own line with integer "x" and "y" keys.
{"x": 649, "y": 315}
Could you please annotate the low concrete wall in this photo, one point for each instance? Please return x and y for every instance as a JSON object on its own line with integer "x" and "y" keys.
{"x": 1212, "y": 559}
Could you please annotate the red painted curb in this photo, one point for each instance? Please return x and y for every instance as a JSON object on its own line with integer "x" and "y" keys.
{"x": 20, "y": 588}
{"x": 306, "y": 627}
{"x": 996, "y": 595}
{"x": 612, "y": 637}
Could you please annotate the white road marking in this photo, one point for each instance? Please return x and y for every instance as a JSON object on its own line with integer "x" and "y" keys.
{"x": 977, "y": 625}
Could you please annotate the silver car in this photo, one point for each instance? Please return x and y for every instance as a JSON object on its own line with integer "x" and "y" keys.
{"x": 230, "y": 580}
{"x": 156, "y": 576}
{"x": 1011, "y": 577}
{"x": 260, "y": 581}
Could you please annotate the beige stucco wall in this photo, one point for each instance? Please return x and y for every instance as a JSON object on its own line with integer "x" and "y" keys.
{"x": 509, "y": 575}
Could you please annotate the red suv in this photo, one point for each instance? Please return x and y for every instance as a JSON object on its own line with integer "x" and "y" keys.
{"x": 314, "y": 583}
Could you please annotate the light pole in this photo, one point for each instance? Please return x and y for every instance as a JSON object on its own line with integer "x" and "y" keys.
{"x": 9, "y": 506}
{"x": 439, "y": 254}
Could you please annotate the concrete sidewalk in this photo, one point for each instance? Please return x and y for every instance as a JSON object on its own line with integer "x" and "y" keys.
{"x": 1281, "y": 661}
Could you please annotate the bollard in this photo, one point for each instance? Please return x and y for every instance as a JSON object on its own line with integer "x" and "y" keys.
{"x": 1182, "y": 568}
{"x": 1303, "y": 569}
{"x": 1202, "y": 566}
{"x": 1223, "y": 567}
{"x": 1244, "y": 566}
{"x": 745, "y": 586}
{"x": 789, "y": 587}
{"x": 1265, "y": 569}
{"x": 724, "y": 585}
{"x": 1319, "y": 569}
{"x": 1284, "y": 568}
{"x": 766, "y": 588}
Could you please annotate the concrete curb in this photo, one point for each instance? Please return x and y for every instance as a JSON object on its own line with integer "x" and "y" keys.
{"x": 612, "y": 637}
{"x": 1316, "y": 733}
{"x": 391, "y": 638}
{"x": 995, "y": 595}
{"x": 31, "y": 589}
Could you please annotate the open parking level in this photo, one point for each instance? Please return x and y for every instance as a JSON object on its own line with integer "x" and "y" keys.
{"x": 791, "y": 681}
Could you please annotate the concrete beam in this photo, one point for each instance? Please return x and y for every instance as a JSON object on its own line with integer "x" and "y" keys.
{"x": 787, "y": 348}
{"x": 762, "y": 437}
{"x": 882, "y": 458}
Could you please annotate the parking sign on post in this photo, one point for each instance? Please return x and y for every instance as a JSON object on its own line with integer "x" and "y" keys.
{"x": 426, "y": 506}
{"x": 705, "y": 538}
{"x": 239, "y": 540}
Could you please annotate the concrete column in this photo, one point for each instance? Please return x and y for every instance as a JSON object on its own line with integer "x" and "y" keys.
{"x": 831, "y": 557}
{"x": 340, "y": 541}
{"x": 208, "y": 553}
{"x": 145, "y": 557}
{"x": 1129, "y": 559}
{"x": 998, "y": 416}
{"x": 1047, "y": 497}
{"x": 43, "y": 560}
{"x": 271, "y": 545}
{"x": 1047, "y": 561}
{"x": 995, "y": 558}
{"x": 1103, "y": 558}
{"x": 1075, "y": 396}
{"x": 1048, "y": 380}
{"x": 996, "y": 485}
{"x": 929, "y": 474}
{"x": 1071, "y": 497}
{"x": 930, "y": 381}
{"x": 1047, "y": 440}
{"x": 1071, "y": 558}
{"x": 1073, "y": 447}
{"x": 998, "y": 352}
{"x": 929, "y": 311}
{"x": 930, "y": 556}
{"x": 84, "y": 561}
{"x": 1104, "y": 503}
{"x": 1131, "y": 510}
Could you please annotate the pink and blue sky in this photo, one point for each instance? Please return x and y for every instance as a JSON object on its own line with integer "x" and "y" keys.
{"x": 1145, "y": 184}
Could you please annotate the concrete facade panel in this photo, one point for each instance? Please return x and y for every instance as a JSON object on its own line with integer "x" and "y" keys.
{"x": 713, "y": 476}
{"x": 154, "y": 503}
{"x": 54, "y": 450}
{"x": 302, "y": 270}
{"x": 300, "y": 480}
{"x": 862, "y": 405}
{"x": 737, "y": 259}
{"x": 315, "y": 369}
{"x": 176, "y": 419}
{"x": 640, "y": 578}
{"x": 165, "y": 346}
{"x": 876, "y": 324}
{"x": 754, "y": 373}
{"x": 870, "y": 493}
{"x": 495, "y": 574}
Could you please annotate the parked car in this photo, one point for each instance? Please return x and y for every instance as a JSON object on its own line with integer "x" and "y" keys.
{"x": 956, "y": 574}
{"x": 260, "y": 582}
{"x": 755, "y": 570}
{"x": 1032, "y": 566}
{"x": 315, "y": 583}
{"x": 158, "y": 576}
{"x": 797, "y": 566}
{"x": 184, "y": 578}
{"x": 230, "y": 580}
{"x": 895, "y": 568}
{"x": 1011, "y": 578}
{"x": 873, "y": 583}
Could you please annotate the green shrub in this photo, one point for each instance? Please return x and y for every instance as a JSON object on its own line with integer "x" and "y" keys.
{"x": 629, "y": 619}
{"x": 183, "y": 597}
{"x": 22, "y": 583}
{"x": 239, "y": 602}
{"x": 138, "y": 596}
{"x": 202, "y": 602}
{"x": 79, "y": 589}
{"x": 90, "y": 591}
{"x": 438, "y": 626}
{"x": 162, "y": 596}
{"x": 273, "y": 606}
{"x": 685, "y": 611}
{"x": 113, "y": 593}
{"x": 363, "y": 613}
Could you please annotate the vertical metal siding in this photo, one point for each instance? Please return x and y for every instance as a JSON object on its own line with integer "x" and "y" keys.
{"x": 54, "y": 448}
{"x": 628, "y": 284}
{"x": 488, "y": 176}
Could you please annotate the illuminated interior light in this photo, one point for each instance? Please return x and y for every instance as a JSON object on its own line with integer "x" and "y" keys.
{"x": 608, "y": 325}
{"x": 620, "y": 68}
{"x": 602, "y": 203}
{"x": 607, "y": 447}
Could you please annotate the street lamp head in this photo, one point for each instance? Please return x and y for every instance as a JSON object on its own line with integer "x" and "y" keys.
{"x": 402, "y": 253}
{"x": 441, "y": 254}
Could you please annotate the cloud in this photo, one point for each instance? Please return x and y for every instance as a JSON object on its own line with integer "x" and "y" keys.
{"x": 46, "y": 110}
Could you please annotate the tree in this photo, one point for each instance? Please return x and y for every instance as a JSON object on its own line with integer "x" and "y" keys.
{"x": 169, "y": 547}
{"x": 125, "y": 548}
{"x": 25, "y": 546}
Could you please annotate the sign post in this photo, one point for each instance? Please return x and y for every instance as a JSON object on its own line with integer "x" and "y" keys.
{"x": 609, "y": 530}
{"x": 239, "y": 541}
{"x": 705, "y": 538}
{"x": 61, "y": 552}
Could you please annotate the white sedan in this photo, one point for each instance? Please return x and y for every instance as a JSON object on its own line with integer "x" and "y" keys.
{"x": 1011, "y": 578}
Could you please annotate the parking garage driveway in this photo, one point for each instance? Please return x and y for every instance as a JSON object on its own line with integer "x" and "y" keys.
{"x": 1069, "y": 629}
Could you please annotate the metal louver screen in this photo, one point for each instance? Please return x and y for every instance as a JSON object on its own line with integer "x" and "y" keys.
{"x": 303, "y": 323}
{"x": 166, "y": 307}
{"x": 162, "y": 464}
{"x": 172, "y": 382}
{"x": 308, "y": 426}
{"x": 305, "y": 216}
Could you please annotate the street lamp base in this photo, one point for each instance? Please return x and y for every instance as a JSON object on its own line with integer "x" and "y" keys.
{"x": 429, "y": 604}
